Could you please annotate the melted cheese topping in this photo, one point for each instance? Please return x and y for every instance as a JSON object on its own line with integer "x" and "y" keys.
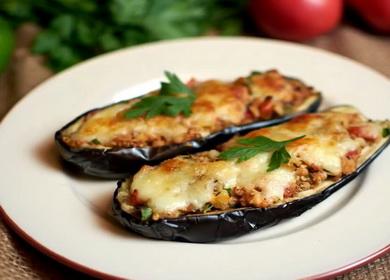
{"x": 326, "y": 139}
{"x": 186, "y": 184}
{"x": 218, "y": 105}
{"x": 190, "y": 184}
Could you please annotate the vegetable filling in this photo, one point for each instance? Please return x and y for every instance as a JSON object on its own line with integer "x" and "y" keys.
{"x": 195, "y": 110}
{"x": 312, "y": 151}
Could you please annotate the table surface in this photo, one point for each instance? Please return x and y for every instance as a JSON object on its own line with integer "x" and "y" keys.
{"x": 21, "y": 261}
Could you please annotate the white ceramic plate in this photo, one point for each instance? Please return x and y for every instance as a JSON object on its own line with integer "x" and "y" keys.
{"x": 67, "y": 216}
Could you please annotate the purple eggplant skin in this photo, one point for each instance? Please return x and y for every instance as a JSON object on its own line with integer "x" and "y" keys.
{"x": 119, "y": 163}
{"x": 218, "y": 226}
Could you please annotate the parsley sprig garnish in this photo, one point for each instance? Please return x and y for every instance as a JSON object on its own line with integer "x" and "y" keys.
{"x": 173, "y": 98}
{"x": 250, "y": 147}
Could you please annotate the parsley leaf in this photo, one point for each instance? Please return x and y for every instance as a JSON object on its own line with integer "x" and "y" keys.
{"x": 174, "y": 98}
{"x": 146, "y": 213}
{"x": 174, "y": 85}
{"x": 241, "y": 153}
{"x": 386, "y": 132}
{"x": 278, "y": 158}
{"x": 89, "y": 27}
{"x": 250, "y": 147}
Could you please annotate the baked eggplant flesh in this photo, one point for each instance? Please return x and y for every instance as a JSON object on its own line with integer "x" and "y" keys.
{"x": 251, "y": 181}
{"x": 110, "y": 142}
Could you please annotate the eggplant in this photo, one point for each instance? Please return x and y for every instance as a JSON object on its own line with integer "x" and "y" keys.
{"x": 220, "y": 225}
{"x": 120, "y": 162}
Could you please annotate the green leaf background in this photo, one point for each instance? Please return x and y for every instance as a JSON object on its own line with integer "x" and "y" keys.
{"x": 75, "y": 30}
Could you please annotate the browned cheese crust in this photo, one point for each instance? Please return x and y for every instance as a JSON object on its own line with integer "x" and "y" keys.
{"x": 218, "y": 105}
{"x": 336, "y": 142}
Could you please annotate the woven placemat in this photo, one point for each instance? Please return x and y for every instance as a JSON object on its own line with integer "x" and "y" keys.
{"x": 18, "y": 260}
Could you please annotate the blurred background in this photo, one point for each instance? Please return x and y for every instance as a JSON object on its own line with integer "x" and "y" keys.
{"x": 39, "y": 38}
{"x": 70, "y": 31}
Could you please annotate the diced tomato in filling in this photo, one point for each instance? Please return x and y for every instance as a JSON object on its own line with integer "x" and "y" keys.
{"x": 290, "y": 191}
{"x": 352, "y": 154}
{"x": 367, "y": 132}
{"x": 314, "y": 167}
{"x": 134, "y": 199}
{"x": 249, "y": 115}
{"x": 266, "y": 108}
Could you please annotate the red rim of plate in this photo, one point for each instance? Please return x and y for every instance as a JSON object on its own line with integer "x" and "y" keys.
{"x": 95, "y": 273}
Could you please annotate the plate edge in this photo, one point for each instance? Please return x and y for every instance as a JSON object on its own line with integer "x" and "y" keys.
{"x": 102, "y": 275}
{"x": 50, "y": 253}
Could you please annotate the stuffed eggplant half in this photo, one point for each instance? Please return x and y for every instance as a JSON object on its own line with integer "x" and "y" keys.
{"x": 178, "y": 119}
{"x": 252, "y": 181}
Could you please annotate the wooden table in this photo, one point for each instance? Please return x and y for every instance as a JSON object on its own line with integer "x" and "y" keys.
{"x": 19, "y": 260}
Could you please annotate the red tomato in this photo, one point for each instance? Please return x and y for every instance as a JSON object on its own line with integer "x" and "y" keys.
{"x": 295, "y": 19}
{"x": 375, "y": 12}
